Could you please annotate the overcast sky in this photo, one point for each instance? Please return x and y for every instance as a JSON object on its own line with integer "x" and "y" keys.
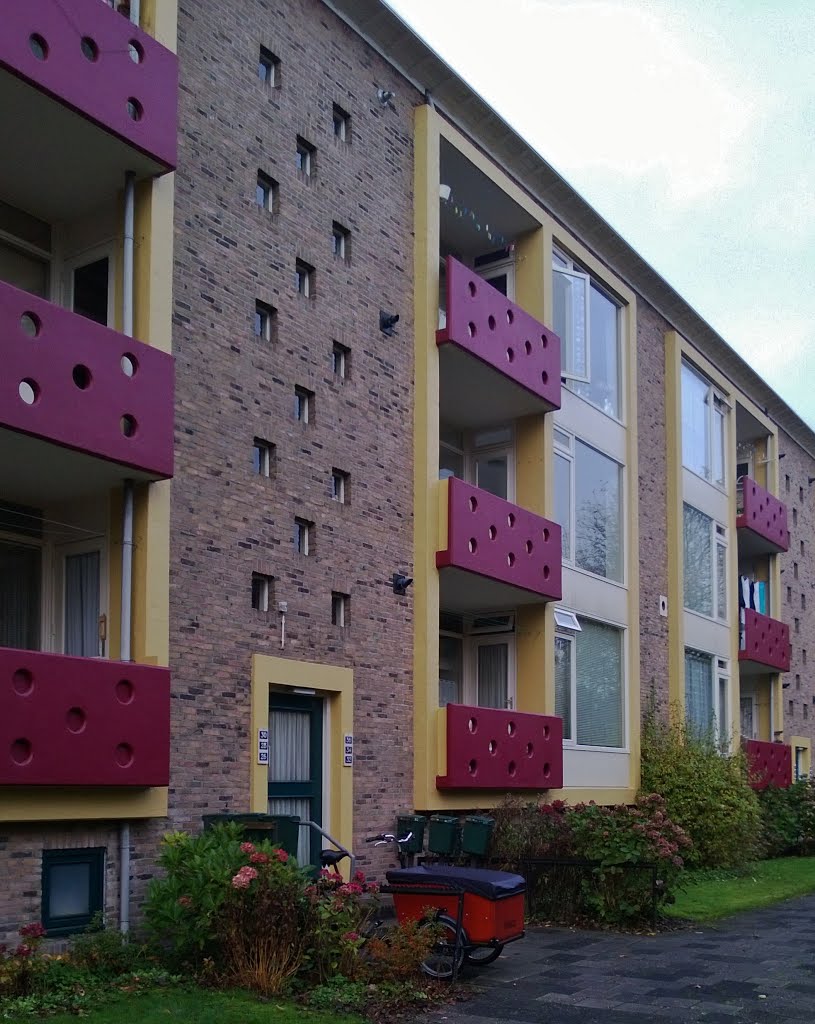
{"x": 711, "y": 176}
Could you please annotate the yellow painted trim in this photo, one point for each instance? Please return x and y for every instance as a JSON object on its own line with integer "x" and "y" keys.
{"x": 676, "y": 564}
{"x": 337, "y": 686}
{"x": 806, "y": 744}
{"x": 160, "y": 19}
{"x": 28, "y": 803}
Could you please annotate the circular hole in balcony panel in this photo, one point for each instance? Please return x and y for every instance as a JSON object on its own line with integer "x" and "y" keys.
{"x": 510, "y": 355}
{"x": 511, "y": 519}
{"x": 493, "y": 533}
{"x": 28, "y": 390}
{"x": 471, "y": 329}
{"x": 511, "y": 559}
{"x": 512, "y": 768}
{"x": 547, "y": 770}
{"x": 492, "y": 746}
{"x": 124, "y": 755}
{"x": 472, "y": 767}
{"x": 472, "y": 724}
{"x": 124, "y": 691}
{"x": 21, "y": 751}
{"x": 128, "y": 425}
{"x": 546, "y": 572}
{"x": 75, "y": 720}
{"x": 89, "y": 48}
{"x": 38, "y": 46}
{"x": 544, "y": 376}
{"x": 528, "y": 547}
{"x": 136, "y": 51}
{"x": 30, "y": 324}
{"x": 134, "y": 109}
{"x": 546, "y": 535}
{"x": 546, "y": 732}
{"x": 510, "y": 316}
{"x": 23, "y": 682}
{"x": 81, "y": 376}
{"x": 471, "y": 288}
{"x": 510, "y": 728}
{"x": 544, "y": 341}
{"x": 491, "y": 322}
{"x": 473, "y": 503}
{"x": 129, "y": 364}
{"x": 528, "y": 347}
{"x": 472, "y": 544}
{"x": 530, "y": 750}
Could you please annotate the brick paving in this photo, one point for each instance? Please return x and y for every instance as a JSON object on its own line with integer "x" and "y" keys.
{"x": 754, "y": 968}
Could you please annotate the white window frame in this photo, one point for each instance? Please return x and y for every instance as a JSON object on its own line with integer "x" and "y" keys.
{"x": 502, "y": 267}
{"x": 339, "y": 479}
{"x": 305, "y": 152}
{"x": 724, "y": 731}
{"x": 303, "y": 273}
{"x": 743, "y": 698}
{"x": 263, "y": 592}
{"x": 715, "y": 399}
{"x": 474, "y": 637}
{"x": 470, "y": 455}
{"x": 302, "y": 404}
{"x": 339, "y": 238}
{"x": 718, "y": 539}
{"x": 271, "y": 63}
{"x": 567, "y": 370}
{"x": 61, "y": 554}
{"x": 339, "y": 609}
{"x": 264, "y": 459}
{"x": 341, "y": 118}
{"x": 33, "y": 252}
{"x": 73, "y": 263}
{"x": 302, "y": 536}
{"x": 339, "y": 360}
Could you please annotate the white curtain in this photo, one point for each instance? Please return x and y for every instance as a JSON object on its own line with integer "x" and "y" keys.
{"x": 290, "y": 761}
{"x": 20, "y": 577}
{"x": 699, "y": 690}
{"x": 493, "y": 671}
{"x": 599, "y": 685}
{"x": 302, "y": 809}
{"x": 82, "y": 604}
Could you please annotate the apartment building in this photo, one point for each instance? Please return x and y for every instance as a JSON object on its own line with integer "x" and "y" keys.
{"x": 460, "y": 485}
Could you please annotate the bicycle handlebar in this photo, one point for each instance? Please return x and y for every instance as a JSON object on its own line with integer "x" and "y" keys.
{"x": 389, "y": 837}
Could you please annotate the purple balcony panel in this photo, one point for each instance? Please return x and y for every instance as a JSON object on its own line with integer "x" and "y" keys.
{"x": 489, "y": 748}
{"x": 762, "y": 522}
{"x": 82, "y": 721}
{"x": 96, "y": 62}
{"x": 501, "y": 541}
{"x": 765, "y": 642}
{"x": 73, "y": 382}
{"x": 770, "y": 763}
{"x": 485, "y": 324}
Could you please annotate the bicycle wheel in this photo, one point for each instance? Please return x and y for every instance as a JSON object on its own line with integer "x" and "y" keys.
{"x": 480, "y": 956}
{"x": 447, "y": 956}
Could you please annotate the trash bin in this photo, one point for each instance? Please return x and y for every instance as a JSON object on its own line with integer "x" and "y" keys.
{"x": 414, "y": 823}
{"x": 476, "y": 834}
{"x": 280, "y": 829}
{"x": 442, "y": 836}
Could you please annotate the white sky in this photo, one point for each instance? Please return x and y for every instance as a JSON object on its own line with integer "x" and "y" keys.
{"x": 711, "y": 176}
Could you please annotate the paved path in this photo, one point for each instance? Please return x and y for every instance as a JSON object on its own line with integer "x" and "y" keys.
{"x": 755, "y": 968}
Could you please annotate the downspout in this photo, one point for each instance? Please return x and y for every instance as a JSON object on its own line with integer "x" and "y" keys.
{"x": 127, "y": 530}
{"x": 135, "y": 12}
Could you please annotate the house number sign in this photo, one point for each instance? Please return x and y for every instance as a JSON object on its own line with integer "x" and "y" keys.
{"x": 263, "y": 746}
{"x": 348, "y": 751}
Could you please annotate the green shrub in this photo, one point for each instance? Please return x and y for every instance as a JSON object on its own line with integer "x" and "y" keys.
{"x": 706, "y": 791}
{"x": 106, "y": 952}
{"x": 788, "y": 818}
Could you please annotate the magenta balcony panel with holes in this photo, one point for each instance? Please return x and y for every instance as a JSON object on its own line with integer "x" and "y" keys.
{"x": 489, "y": 748}
{"x": 761, "y": 520}
{"x": 770, "y": 763}
{"x": 82, "y": 721}
{"x": 764, "y": 643}
{"x": 497, "y": 361}
{"x": 501, "y": 541}
{"x": 87, "y": 57}
{"x": 71, "y": 381}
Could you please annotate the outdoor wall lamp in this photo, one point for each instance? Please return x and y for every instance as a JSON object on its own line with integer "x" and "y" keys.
{"x": 388, "y": 322}
{"x": 400, "y": 583}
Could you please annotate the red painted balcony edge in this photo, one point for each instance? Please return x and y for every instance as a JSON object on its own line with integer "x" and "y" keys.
{"x": 99, "y": 89}
{"x": 500, "y": 333}
{"x": 68, "y": 721}
{"x": 489, "y": 748}
{"x": 87, "y": 419}
{"x": 766, "y": 640}
{"x": 501, "y": 541}
{"x": 770, "y": 763}
{"x": 763, "y": 514}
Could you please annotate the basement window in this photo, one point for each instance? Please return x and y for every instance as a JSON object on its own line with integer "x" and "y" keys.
{"x": 73, "y": 889}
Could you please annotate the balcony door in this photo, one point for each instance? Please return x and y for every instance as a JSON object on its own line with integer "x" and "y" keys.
{"x": 89, "y": 282}
{"x": 20, "y": 595}
{"x": 494, "y": 671}
{"x": 83, "y": 625}
{"x": 477, "y": 668}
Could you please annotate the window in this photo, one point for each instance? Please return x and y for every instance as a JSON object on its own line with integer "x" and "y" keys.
{"x": 302, "y": 405}
{"x": 265, "y": 324}
{"x": 91, "y": 290}
{"x": 804, "y": 655}
{"x": 705, "y": 704}
{"x": 704, "y": 418}
{"x": 304, "y": 278}
{"x": 589, "y": 685}
{"x": 303, "y": 539}
{"x": 795, "y": 517}
{"x": 340, "y": 360}
{"x": 341, "y": 124}
{"x": 791, "y": 707}
{"x": 485, "y": 458}
{"x": 269, "y": 68}
{"x": 705, "y": 553}
{"x": 797, "y": 625}
{"x": 262, "y": 457}
{"x": 797, "y": 681}
{"x": 789, "y": 595}
{"x": 587, "y": 320}
{"x": 20, "y": 591}
{"x": 803, "y": 602}
{"x": 340, "y": 241}
{"x": 339, "y": 486}
{"x": 339, "y": 609}
{"x": 801, "y": 495}
{"x": 261, "y": 591}
{"x": 787, "y": 482}
{"x": 795, "y": 570}
{"x": 802, "y": 549}
{"x": 477, "y": 660}
{"x": 267, "y": 194}
{"x": 588, "y": 507}
{"x": 499, "y": 269}
{"x": 73, "y": 889}
{"x": 304, "y": 159}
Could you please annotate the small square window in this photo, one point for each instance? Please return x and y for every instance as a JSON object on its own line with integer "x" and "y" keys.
{"x": 303, "y": 405}
{"x": 304, "y": 278}
{"x": 791, "y": 706}
{"x": 801, "y": 495}
{"x": 789, "y": 595}
{"x": 797, "y": 681}
{"x": 73, "y": 888}
{"x": 265, "y": 326}
{"x": 303, "y": 536}
{"x": 802, "y": 549}
{"x": 339, "y": 486}
{"x": 339, "y": 609}
{"x": 803, "y": 602}
{"x": 262, "y": 457}
{"x": 269, "y": 68}
{"x": 267, "y": 193}
{"x": 342, "y": 124}
{"x": 340, "y": 241}
{"x": 261, "y": 591}
{"x": 795, "y": 570}
{"x": 804, "y": 655}
{"x": 305, "y": 158}
{"x": 806, "y": 711}
{"x": 340, "y": 360}
{"x": 797, "y": 623}
{"x": 795, "y": 517}
{"x": 787, "y": 482}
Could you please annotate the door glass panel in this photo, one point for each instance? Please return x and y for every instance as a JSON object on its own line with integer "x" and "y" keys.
{"x": 491, "y": 474}
{"x": 302, "y": 809}
{"x": 450, "y": 670}
{"x": 82, "y": 604}
{"x": 289, "y": 746}
{"x": 295, "y": 767}
{"x": 91, "y": 290}
{"x": 20, "y": 577}
{"x": 493, "y": 675}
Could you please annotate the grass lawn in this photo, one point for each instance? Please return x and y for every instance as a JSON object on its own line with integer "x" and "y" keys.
{"x": 203, "y": 1006}
{"x": 713, "y": 894}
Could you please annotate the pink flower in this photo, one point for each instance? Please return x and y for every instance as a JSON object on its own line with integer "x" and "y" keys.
{"x": 244, "y": 877}
{"x": 351, "y": 937}
{"x": 23, "y": 950}
{"x": 247, "y": 847}
{"x": 32, "y": 931}
{"x": 282, "y": 856}
{"x": 185, "y": 901}
{"x": 259, "y": 858}
{"x": 359, "y": 877}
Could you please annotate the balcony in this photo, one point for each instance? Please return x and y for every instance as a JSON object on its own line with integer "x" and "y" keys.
{"x": 496, "y": 361}
{"x": 770, "y": 763}
{"x": 764, "y": 644}
{"x": 761, "y": 521}
{"x": 85, "y": 91}
{"x": 82, "y": 721}
{"x": 496, "y": 554}
{"x": 488, "y": 748}
{"x": 73, "y": 383}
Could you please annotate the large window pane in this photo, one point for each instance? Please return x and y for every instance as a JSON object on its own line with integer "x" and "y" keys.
{"x": 450, "y": 670}
{"x": 598, "y": 527}
{"x": 493, "y": 675}
{"x": 82, "y": 604}
{"x": 563, "y": 501}
{"x": 570, "y": 308}
{"x": 20, "y": 575}
{"x": 599, "y": 685}
{"x": 563, "y": 683}
{"x": 491, "y": 474}
{"x": 699, "y": 690}
{"x": 698, "y": 551}
{"x": 603, "y": 388}
{"x": 695, "y": 422}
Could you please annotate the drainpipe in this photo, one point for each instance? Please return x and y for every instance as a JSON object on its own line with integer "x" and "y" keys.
{"x": 135, "y": 16}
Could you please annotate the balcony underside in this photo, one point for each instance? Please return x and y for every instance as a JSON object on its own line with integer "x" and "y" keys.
{"x": 754, "y": 545}
{"x": 461, "y": 591}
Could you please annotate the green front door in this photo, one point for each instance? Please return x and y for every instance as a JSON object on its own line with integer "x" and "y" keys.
{"x": 296, "y": 766}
